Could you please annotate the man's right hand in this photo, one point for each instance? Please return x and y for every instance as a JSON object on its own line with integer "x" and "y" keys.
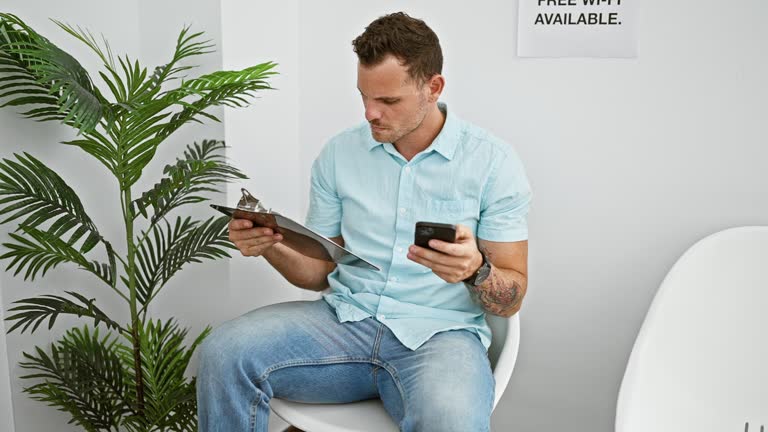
{"x": 249, "y": 240}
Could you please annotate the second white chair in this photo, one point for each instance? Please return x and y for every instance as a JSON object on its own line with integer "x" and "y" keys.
{"x": 700, "y": 361}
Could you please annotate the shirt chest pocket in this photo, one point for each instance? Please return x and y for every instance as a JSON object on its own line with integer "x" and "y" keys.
{"x": 452, "y": 211}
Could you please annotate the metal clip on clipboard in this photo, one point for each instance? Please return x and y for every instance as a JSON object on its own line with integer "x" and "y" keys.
{"x": 295, "y": 235}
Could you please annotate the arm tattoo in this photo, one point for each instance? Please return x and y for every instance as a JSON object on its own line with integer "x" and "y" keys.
{"x": 500, "y": 294}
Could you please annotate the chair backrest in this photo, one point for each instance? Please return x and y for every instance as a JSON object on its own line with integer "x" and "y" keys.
{"x": 502, "y": 353}
{"x": 700, "y": 361}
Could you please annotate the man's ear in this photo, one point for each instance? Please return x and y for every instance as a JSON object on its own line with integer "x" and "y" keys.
{"x": 435, "y": 86}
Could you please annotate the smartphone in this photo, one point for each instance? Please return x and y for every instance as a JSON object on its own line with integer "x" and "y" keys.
{"x": 426, "y": 231}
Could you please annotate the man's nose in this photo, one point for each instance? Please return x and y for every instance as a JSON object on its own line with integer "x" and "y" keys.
{"x": 372, "y": 113}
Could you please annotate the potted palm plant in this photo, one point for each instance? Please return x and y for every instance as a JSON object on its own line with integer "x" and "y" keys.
{"x": 112, "y": 375}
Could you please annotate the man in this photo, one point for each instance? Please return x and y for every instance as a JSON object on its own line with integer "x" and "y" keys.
{"x": 414, "y": 333}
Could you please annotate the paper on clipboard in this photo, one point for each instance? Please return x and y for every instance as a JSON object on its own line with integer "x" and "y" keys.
{"x": 295, "y": 235}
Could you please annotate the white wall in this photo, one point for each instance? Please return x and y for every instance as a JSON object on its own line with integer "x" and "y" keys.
{"x": 263, "y": 137}
{"x": 631, "y": 162}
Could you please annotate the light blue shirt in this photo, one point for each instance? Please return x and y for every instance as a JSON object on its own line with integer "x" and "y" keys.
{"x": 372, "y": 196}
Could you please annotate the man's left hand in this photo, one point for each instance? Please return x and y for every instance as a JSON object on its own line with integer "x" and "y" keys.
{"x": 452, "y": 262}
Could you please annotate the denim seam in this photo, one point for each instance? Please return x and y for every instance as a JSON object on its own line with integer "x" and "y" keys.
{"x": 309, "y": 362}
{"x": 377, "y": 342}
{"x": 399, "y": 386}
{"x": 336, "y": 360}
{"x": 254, "y": 411}
{"x": 374, "y": 352}
{"x": 392, "y": 372}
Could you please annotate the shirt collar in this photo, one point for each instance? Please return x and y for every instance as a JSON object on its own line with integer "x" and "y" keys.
{"x": 446, "y": 141}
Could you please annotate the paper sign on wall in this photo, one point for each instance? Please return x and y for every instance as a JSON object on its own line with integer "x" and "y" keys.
{"x": 577, "y": 28}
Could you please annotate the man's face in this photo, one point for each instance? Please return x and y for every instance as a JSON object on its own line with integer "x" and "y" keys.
{"x": 394, "y": 104}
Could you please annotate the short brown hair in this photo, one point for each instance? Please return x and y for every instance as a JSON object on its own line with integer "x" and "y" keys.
{"x": 408, "y": 39}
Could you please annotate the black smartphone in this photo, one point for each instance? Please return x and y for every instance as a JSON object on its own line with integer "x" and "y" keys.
{"x": 426, "y": 231}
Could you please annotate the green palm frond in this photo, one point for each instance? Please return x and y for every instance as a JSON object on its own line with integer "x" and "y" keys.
{"x": 140, "y": 137}
{"x": 63, "y": 87}
{"x": 90, "y": 41}
{"x": 169, "y": 397}
{"x": 187, "y": 45}
{"x": 201, "y": 168}
{"x": 25, "y": 86}
{"x": 128, "y": 89}
{"x": 135, "y": 75}
{"x": 139, "y": 87}
{"x": 153, "y": 253}
{"x": 228, "y": 88}
{"x": 166, "y": 251}
{"x": 207, "y": 240}
{"x": 220, "y": 79}
{"x": 31, "y": 191}
{"x": 99, "y": 147}
{"x": 83, "y": 376}
{"x": 36, "y": 310}
{"x": 106, "y": 271}
{"x": 16, "y": 76}
{"x": 42, "y": 252}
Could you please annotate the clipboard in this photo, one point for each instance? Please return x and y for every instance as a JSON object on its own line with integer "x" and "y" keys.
{"x": 295, "y": 235}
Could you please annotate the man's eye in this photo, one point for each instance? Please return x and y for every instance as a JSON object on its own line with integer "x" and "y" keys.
{"x": 390, "y": 102}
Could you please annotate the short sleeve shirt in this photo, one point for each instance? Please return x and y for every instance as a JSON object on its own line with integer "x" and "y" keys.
{"x": 369, "y": 194}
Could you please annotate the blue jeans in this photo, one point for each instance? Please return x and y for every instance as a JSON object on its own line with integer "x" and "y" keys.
{"x": 299, "y": 351}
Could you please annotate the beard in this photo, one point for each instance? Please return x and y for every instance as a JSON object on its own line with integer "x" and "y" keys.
{"x": 394, "y": 134}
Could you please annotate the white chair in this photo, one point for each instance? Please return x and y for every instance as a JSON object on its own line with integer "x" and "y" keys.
{"x": 700, "y": 361}
{"x": 370, "y": 415}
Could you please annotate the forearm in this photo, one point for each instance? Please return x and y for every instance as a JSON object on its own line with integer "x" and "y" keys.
{"x": 501, "y": 293}
{"x": 301, "y": 271}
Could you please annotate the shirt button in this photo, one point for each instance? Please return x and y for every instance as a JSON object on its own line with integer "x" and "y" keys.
{"x": 399, "y": 249}
{"x": 407, "y": 169}
{"x": 393, "y": 279}
{"x": 381, "y": 317}
{"x": 402, "y": 210}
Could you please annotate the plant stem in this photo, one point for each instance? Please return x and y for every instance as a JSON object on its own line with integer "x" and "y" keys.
{"x": 135, "y": 322}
